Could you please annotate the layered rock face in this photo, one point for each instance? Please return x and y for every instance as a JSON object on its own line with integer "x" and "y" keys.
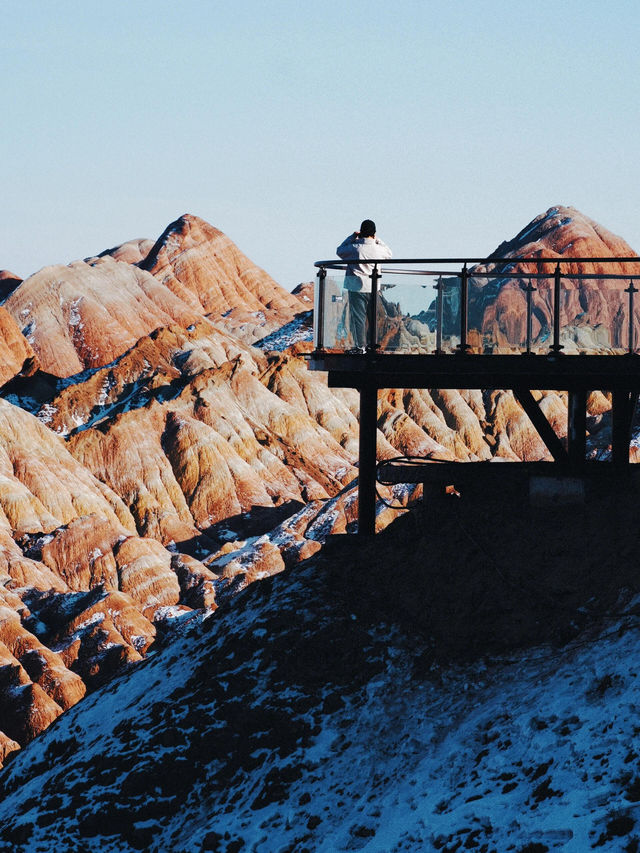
{"x": 131, "y": 252}
{"x": 63, "y": 533}
{"x": 88, "y": 313}
{"x": 176, "y": 412}
{"x": 17, "y": 357}
{"x": 594, "y": 311}
{"x": 171, "y": 463}
{"x": 205, "y": 269}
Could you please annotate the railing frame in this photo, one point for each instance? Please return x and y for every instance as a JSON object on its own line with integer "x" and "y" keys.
{"x": 463, "y": 275}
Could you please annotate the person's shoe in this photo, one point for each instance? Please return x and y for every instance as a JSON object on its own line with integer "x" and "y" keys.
{"x": 355, "y": 351}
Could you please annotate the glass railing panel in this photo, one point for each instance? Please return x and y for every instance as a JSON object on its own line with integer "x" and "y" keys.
{"x": 541, "y": 315}
{"x": 335, "y": 332}
{"x": 407, "y": 313}
{"x": 613, "y": 325}
{"x": 594, "y": 316}
{"x": 616, "y": 319}
{"x": 318, "y": 298}
{"x": 419, "y": 311}
{"x": 497, "y": 317}
{"x": 449, "y": 292}
{"x": 634, "y": 340}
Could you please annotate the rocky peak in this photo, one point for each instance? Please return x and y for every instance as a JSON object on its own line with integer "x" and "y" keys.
{"x": 564, "y": 231}
{"x": 203, "y": 267}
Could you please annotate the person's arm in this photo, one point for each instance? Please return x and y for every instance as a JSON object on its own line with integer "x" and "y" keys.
{"x": 387, "y": 251}
{"x": 345, "y": 249}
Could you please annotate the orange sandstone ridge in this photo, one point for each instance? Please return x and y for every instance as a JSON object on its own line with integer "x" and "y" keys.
{"x": 90, "y": 312}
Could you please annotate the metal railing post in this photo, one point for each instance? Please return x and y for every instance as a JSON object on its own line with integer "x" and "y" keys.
{"x": 464, "y": 309}
{"x": 439, "y": 314}
{"x": 529, "y": 290}
{"x": 322, "y": 274}
{"x": 367, "y": 459}
{"x": 372, "y": 337}
{"x": 556, "y": 346}
{"x": 631, "y": 344}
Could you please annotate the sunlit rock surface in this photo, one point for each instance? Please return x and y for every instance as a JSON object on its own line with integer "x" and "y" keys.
{"x": 131, "y": 252}
{"x": 593, "y": 311}
{"x": 201, "y": 265}
{"x": 88, "y": 313}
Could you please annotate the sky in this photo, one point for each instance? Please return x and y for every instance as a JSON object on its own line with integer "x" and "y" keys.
{"x": 451, "y": 123}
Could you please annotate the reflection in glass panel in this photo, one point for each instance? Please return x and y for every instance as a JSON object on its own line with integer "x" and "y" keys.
{"x": 498, "y": 314}
{"x": 541, "y": 315}
{"x": 594, "y": 316}
{"x": 336, "y": 329}
{"x": 634, "y": 340}
{"x": 449, "y": 308}
{"x": 407, "y": 313}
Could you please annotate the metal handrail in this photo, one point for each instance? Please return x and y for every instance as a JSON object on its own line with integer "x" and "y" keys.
{"x": 342, "y": 265}
{"x": 331, "y": 264}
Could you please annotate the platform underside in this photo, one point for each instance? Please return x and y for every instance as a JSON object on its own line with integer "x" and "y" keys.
{"x": 549, "y": 372}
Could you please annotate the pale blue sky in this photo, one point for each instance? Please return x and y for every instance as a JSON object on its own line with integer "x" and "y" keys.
{"x": 452, "y": 124}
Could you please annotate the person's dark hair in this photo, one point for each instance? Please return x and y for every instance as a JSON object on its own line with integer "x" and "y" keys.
{"x": 368, "y": 228}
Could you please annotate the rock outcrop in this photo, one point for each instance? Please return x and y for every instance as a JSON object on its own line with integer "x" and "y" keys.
{"x": 85, "y": 315}
{"x": 201, "y": 266}
{"x": 17, "y": 358}
{"x": 131, "y": 252}
{"x": 593, "y": 311}
{"x": 81, "y": 594}
{"x": 8, "y": 283}
{"x": 89, "y": 313}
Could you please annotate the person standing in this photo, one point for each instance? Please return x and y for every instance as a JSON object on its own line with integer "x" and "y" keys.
{"x": 362, "y": 245}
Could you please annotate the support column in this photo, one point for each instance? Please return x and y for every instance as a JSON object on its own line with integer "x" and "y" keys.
{"x": 577, "y": 428}
{"x": 623, "y": 409}
{"x": 367, "y": 455}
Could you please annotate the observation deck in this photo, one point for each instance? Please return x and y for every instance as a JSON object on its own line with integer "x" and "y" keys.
{"x": 518, "y": 323}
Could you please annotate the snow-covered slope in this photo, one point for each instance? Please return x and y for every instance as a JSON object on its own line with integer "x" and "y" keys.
{"x": 298, "y": 719}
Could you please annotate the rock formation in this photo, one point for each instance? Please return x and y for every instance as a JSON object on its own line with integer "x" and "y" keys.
{"x": 181, "y": 449}
{"x": 208, "y": 272}
{"x": 593, "y": 312}
{"x": 16, "y": 354}
{"x": 86, "y": 314}
{"x": 8, "y": 282}
{"x": 131, "y": 252}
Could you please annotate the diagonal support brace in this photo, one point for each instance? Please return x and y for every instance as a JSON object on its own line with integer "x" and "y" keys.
{"x": 545, "y": 430}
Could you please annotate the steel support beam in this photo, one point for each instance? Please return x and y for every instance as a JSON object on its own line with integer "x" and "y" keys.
{"x": 553, "y": 373}
{"x": 367, "y": 454}
{"x": 542, "y": 425}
